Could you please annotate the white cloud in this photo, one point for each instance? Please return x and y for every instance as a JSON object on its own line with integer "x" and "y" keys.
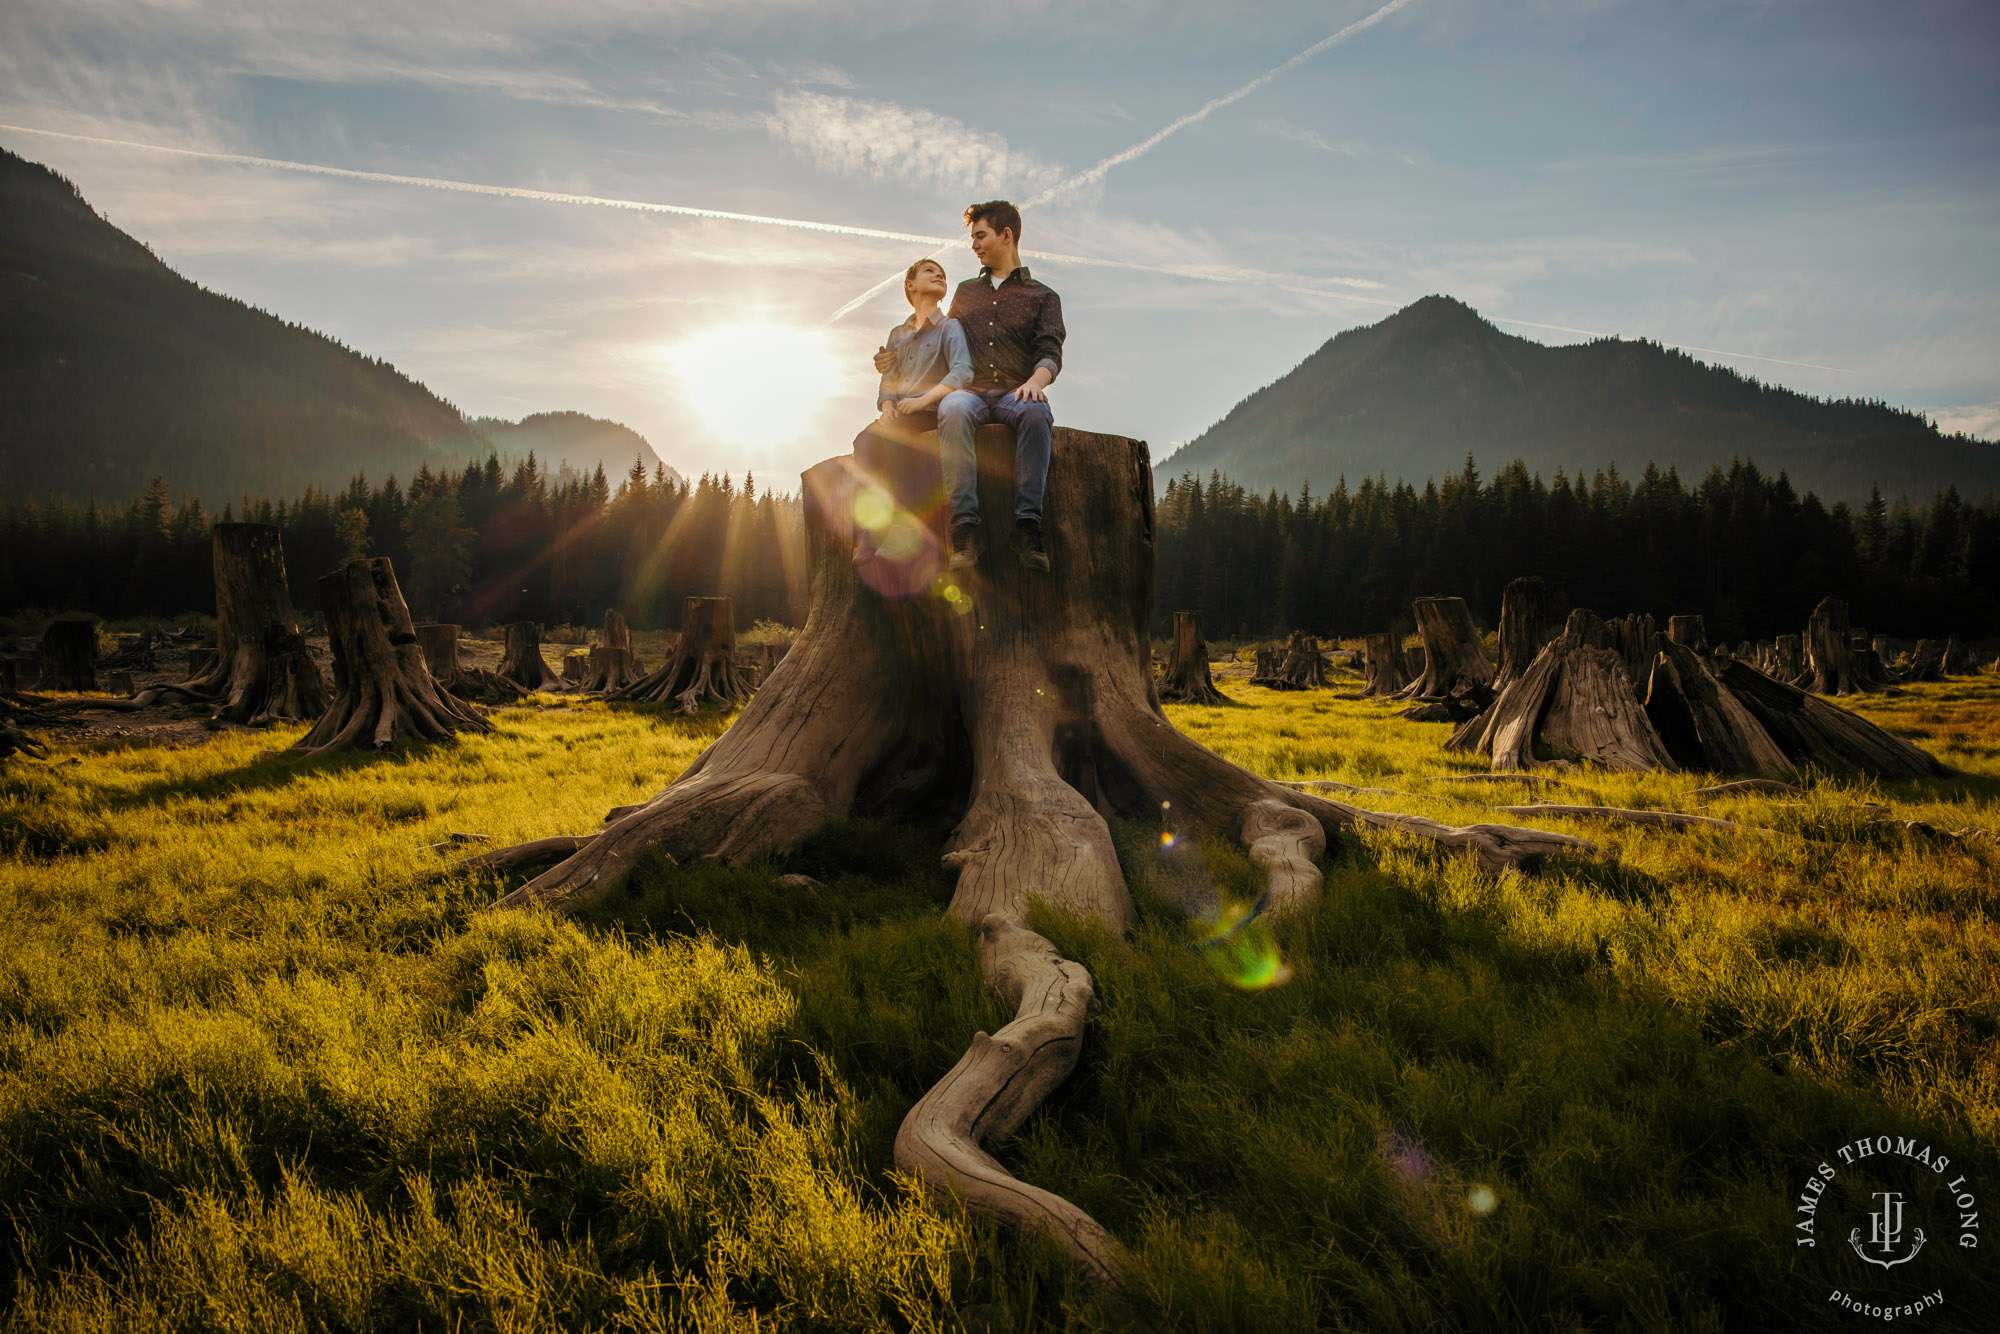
{"x": 1979, "y": 420}
{"x": 883, "y": 141}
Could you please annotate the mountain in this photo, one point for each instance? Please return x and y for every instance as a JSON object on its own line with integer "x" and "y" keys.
{"x": 1412, "y": 396}
{"x": 571, "y": 439}
{"x": 114, "y": 368}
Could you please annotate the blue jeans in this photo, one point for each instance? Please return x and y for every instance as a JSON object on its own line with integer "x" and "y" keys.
{"x": 960, "y": 416}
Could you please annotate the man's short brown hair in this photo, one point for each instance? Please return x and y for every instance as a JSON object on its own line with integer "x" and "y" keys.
{"x": 998, "y": 214}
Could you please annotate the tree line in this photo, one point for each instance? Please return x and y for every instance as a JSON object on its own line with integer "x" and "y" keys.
{"x": 1742, "y": 549}
{"x": 481, "y": 547}
{"x": 490, "y": 545}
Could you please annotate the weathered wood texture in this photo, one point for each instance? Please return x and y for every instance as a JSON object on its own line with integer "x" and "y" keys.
{"x": 1575, "y": 702}
{"x": 439, "y": 641}
{"x": 1023, "y": 703}
{"x": 1811, "y": 731}
{"x": 1382, "y": 666}
{"x": 612, "y": 666}
{"x": 1454, "y": 660}
{"x": 1186, "y": 678}
{"x": 1523, "y": 611}
{"x": 522, "y": 662}
{"x": 1689, "y": 632}
{"x": 261, "y": 671}
{"x": 382, "y": 691}
{"x": 702, "y": 667}
{"x": 1702, "y": 724}
{"x": 1830, "y": 652}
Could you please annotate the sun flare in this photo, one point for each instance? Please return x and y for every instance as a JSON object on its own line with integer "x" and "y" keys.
{"x": 758, "y": 386}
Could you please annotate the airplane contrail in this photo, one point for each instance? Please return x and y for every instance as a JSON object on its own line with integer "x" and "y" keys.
{"x": 502, "y": 191}
{"x": 1213, "y": 105}
{"x": 1234, "y": 276}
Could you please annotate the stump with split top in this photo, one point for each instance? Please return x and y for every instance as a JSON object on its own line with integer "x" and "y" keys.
{"x": 1186, "y": 677}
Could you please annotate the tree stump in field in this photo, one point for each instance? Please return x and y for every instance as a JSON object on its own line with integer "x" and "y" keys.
{"x": 69, "y": 655}
{"x": 1829, "y": 657}
{"x": 612, "y": 666}
{"x": 1575, "y": 702}
{"x": 1381, "y": 667}
{"x": 1024, "y": 704}
{"x": 1885, "y": 649}
{"x": 439, "y": 642}
{"x": 522, "y": 662}
{"x": 1689, "y": 632}
{"x": 1791, "y": 656}
{"x": 1523, "y": 609}
{"x": 1811, "y": 731}
{"x": 1186, "y": 678}
{"x": 1926, "y": 661}
{"x": 1455, "y": 665}
{"x": 10, "y": 677}
{"x": 260, "y": 671}
{"x": 576, "y": 668}
{"x": 702, "y": 668}
{"x": 1957, "y": 662}
{"x": 1299, "y": 665}
{"x": 1701, "y": 723}
{"x": 1869, "y": 669}
{"x": 382, "y": 691}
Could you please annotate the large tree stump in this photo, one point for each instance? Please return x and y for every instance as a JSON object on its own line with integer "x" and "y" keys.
{"x": 1523, "y": 609}
{"x": 1688, "y": 632}
{"x": 1811, "y": 731}
{"x": 1298, "y": 666}
{"x": 1829, "y": 655}
{"x": 1791, "y": 658}
{"x": 522, "y": 662}
{"x": 1926, "y": 661}
{"x": 439, "y": 642}
{"x": 1701, "y": 723}
{"x": 69, "y": 655}
{"x": 382, "y": 691}
{"x": 1575, "y": 702}
{"x": 1186, "y": 677}
{"x": 1023, "y": 703}
{"x": 1957, "y": 662}
{"x": 612, "y": 666}
{"x": 1455, "y": 664}
{"x": 261, "y": 671}
{"x": 1382, "y": 666}
{"x": 702, "y": 667}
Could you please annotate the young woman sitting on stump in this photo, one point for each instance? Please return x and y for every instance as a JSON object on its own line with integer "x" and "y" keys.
{"x": 926, "y": 359}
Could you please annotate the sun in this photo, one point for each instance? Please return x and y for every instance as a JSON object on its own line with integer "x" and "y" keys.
{"x": 760, "y": 386}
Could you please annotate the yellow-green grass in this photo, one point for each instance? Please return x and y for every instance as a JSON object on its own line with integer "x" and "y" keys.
{"x": 264, "y": 1065}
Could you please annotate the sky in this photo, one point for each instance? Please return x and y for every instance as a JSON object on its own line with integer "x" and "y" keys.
{"x": 1810, "y": 192}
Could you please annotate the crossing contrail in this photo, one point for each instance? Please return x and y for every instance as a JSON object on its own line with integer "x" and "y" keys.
{"x": 1212, "y": 273}
{"x": 1092, "y": 175}
{"x": 1209, "y": 108}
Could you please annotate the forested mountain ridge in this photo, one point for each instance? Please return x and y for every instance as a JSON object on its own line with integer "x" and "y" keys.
{"x": 115, "y": 369}
{"x": 574, "y": 440}
{"x": 1410, "y": 397}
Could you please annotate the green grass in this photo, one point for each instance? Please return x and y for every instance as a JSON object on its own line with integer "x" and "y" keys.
{"x": 263, "y": 1065}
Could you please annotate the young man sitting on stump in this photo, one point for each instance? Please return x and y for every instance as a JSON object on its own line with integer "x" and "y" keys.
{"x": 1014, "y": 327}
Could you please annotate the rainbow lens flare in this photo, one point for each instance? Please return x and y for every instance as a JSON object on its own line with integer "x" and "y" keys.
{"x": 1240, "y": 947}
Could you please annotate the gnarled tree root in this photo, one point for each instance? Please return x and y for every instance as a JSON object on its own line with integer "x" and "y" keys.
{"x": 944, "y": 1139}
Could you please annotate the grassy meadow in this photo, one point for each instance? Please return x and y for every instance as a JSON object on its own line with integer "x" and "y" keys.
{"x": 264, "y": 1065}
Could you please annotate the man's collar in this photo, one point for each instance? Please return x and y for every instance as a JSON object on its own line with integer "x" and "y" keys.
{"x": 1020, "y": 271}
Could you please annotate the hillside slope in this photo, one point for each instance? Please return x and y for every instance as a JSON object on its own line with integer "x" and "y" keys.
{"x": 572, "y": 439}
{"x": 1411, "y": 396}
{"x": 114, "y": 368}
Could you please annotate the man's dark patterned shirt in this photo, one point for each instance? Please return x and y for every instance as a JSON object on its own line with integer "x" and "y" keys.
{"x": 1011, "y": 329}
